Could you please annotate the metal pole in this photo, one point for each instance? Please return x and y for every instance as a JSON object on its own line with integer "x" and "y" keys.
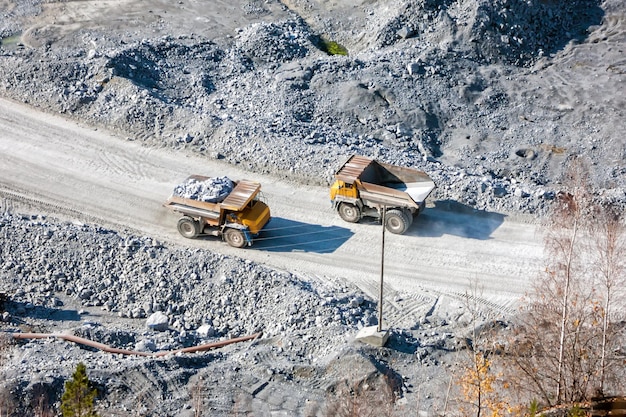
{"x": 382, "y": 270}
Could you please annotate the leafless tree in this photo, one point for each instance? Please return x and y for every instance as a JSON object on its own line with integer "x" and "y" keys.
{"x": 562, "y": 243}
{"x": 541, "y": 342}
{"x": 197, "y": 397}
{"x": 41, "y": 403}
{"x": 609, "y": 265}
{"x": 7, "y": 401}
{"x": 561, "y": 343}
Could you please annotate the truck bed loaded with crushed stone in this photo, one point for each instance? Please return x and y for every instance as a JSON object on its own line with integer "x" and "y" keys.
{"x": 219, "y": 207}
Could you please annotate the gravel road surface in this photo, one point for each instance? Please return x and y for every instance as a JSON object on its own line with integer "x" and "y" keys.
{"x": 112, "y": 181}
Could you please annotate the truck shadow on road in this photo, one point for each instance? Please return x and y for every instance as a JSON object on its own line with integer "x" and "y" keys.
{"x": 450, "y": 217}
{"x": 285, "y": 235}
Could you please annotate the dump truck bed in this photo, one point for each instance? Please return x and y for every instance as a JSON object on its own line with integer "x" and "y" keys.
{"x": 241, "y": 195}
{"x": 192, "y": 207}
{"x": 388, "y": 196}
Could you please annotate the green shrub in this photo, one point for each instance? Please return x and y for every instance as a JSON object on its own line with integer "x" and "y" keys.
{"x": 333, "y": 48}
{"x": 78, "y": 398}
{"x": 330, "y": 47}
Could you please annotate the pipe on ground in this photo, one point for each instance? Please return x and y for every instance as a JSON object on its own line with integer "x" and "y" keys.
{"x": 109, "y": 349}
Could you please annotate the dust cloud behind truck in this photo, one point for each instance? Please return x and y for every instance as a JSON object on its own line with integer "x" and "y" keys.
{"x": 366, "y": 187}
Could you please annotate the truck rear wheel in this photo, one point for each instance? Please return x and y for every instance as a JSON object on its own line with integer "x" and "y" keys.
{"x": 235, "y": 238}
{"x": 396, "y": 221}
{"x": 409, "y": 217}
{"x": 188, "y": 227}
{"x": 349, "y": 212}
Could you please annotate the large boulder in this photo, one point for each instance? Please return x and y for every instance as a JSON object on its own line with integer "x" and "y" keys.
{"x": 158, "y": 321}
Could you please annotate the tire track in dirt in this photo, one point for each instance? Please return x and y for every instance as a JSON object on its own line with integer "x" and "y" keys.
{"x": 130, "y": 166}
{"x": 13, "y": 199}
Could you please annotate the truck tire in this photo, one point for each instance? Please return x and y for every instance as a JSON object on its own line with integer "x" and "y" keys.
{"x": 349, "y": 212}
{"x": 396, "y": 221}
{"x": 235, "y": 238}
{"x": 188, "y": 227}
{"x": 409, "y": 217}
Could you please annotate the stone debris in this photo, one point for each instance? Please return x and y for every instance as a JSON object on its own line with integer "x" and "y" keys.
{"x": 211, "y": 190}
{"x": 169, "y": 298}
{"x": 456, "y": 89}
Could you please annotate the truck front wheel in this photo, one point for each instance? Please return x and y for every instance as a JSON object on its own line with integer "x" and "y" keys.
{"x": 349, "y": 212}
{"x": 188, "y": 227}
{"x": 396, "y": 221}
{"x": 234, "y": 238}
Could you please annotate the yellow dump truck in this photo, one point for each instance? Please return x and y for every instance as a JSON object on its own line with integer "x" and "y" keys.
{"x": 235, "y": 213}
{"x": 365, "y": 187}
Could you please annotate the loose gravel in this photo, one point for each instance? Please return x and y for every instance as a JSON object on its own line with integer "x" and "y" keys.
{"x": 131, "y": 292}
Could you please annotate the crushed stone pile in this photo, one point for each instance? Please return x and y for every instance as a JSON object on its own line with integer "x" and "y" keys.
{"x": 211, "y": 190}
{"x": 490, "y": 91}
{"x": 136, "y": 276}
{"x": 112, "y": 289}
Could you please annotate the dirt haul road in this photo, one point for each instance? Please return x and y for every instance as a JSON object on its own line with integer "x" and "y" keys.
{"x": 58, "y": 167}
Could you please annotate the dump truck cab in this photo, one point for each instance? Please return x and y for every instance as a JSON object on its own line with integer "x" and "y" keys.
{"x": 343, "y": 189}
